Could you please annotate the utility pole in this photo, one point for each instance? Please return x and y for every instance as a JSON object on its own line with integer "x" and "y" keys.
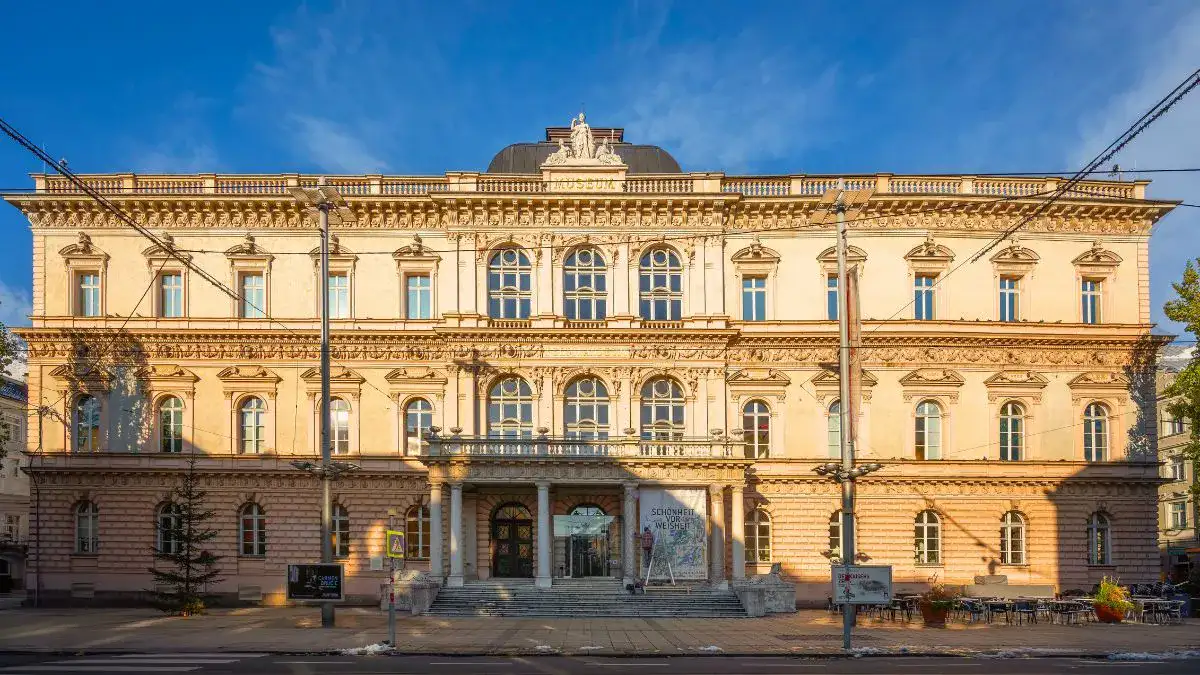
{"x": 847, "y": 449}
{"x": 324, "y": 199}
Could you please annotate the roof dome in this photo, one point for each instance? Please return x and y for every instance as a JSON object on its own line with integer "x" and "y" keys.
{"x": 529, "y": 157}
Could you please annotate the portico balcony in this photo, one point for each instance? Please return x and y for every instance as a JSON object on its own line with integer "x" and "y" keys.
{"x": 544, "y": 446}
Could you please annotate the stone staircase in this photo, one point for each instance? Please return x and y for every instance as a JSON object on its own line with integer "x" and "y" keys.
{"x": 583, "y": 598}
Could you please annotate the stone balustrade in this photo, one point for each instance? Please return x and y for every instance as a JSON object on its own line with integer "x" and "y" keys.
{"x": 559, "y": 447}
{"x": 698, "y": 183}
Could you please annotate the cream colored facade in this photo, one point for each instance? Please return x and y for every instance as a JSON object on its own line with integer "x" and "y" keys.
{"x": 14, "y": 483}
{"x": 722, "y": 230}
{"x": 1177, "y": 508}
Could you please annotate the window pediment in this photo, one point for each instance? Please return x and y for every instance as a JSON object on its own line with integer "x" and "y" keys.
{"x": 415, "y": 252}
{"x": 158, "y": 254}
{"x": 759, "y": 377}
{"x": 249, "y": 250}
{"x": 932, "y": 382}
{"x": 337, "y": 253}
{"x": 930, "y": 251}
{"x": 415, "y": 375}
{"x": 1016, "y": 259}
{"x": 341, "y": 380}
{"x": 83, "y": 377}
{"x": 83, "y": 248}
{"x": 756, "y": 253}
{"x": 1097, "y": 261}
{"x": 1099, "y": 379}
{"x": 854, "y": 254}
{"x": 825, "y": 383}
{"x": 249, "y": 378}
{"x": 1016, "y": 383}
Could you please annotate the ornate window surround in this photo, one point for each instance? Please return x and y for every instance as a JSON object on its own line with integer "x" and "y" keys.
{"x": 341, "y": 261}
{"x": 80, "y": 258}
{"x": 633, "y": 270}
{"x": 405, "y": 384}
{"x": 72, "y": 383}
{"x": 249, "y": 258}
{"x": 766, "y": 385}
{"x": 1020, "y": 263}
{"x": 941, "y": 386}
{"x": 825, "y": 391}
{"x": 417, "y": 260}
{"x": 1101, "y": 265}
{"x": 1110, "y": 389}
{"x": 160, "y": 262}
{"x": 930, "y": 258}
{"x": 1018, "y": 386}
{"x": 159, "y": 382}
{"x": 243, "y": 381}
{"x": 757, "y": 260}
{"x": 345, "y": 384}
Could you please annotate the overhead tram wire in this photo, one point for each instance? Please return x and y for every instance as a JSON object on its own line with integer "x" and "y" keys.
{"x": 1141, "y": 124}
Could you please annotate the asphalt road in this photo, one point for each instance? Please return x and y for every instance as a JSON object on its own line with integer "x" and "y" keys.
{"x": 261, "y": 664}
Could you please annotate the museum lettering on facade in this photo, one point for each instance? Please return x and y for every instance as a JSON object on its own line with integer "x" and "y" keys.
{"x": 535, "y": 364}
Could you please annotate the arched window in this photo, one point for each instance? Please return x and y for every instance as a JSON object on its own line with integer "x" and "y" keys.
{"x": 833, "y": 429}
{"x": 928, "y": 537}
{"x": 1099, "y": 542}
{"x": 758, "y": 537}
{"x": 87, "y": 424}
{"x": 928, "y": 432}
{"x": 587, "y": 510}
{"x": 1012, "y": 539}
{"x": 510, "y": 408}
{"x": 341, "y": 531}
{"x": 170, "y": 424}
{"x": 1012, "y": 432}
{"x": 756, "y": 423}
{"x": 1095, "y": 433}
{"x": 416, "y": 532}
{"x": 586, "y": 409}
{"x": 509, "y": 286}
{"x": 252, "y": 530}
{"x": 660, "y": 285}
{"x": 87, "y": 528}
{"x": 170, "y": 529}
{"x": 662, "y": 409}
{"x": 418, "y": 417}
{"x": 339, "y": 426}
{"x": 252, "y": 430}
{"x": 585, "y": 289}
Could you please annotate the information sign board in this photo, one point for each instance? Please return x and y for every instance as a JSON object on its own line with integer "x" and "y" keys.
{"x": 315, "y": 582}
{"x": 862, "y": 584}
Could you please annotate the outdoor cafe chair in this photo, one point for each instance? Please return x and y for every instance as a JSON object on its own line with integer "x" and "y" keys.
{"x": 1025, "y": 609}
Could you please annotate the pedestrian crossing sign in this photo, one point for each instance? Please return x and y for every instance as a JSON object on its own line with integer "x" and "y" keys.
{"x": 395, "y": 544}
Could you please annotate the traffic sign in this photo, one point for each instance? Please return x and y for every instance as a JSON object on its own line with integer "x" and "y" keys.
{"x": 395, "y": 544}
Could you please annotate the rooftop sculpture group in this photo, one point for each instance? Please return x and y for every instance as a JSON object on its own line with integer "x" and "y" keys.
{"x": 583, "y": 149}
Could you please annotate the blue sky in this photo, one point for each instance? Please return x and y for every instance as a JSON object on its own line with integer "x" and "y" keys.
{"x": 398, "y": 87}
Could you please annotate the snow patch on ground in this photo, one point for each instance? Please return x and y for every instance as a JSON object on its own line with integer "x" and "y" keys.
{"x": 589, "y": 648}
{"x": 710, "y": 648}
{"x": 867, "y": 651}
{"x": 544, "y": 648}
{"x": 1154, "y": 656}
{"x": 369, "y": 650}
{"x": 1029, "y": 652}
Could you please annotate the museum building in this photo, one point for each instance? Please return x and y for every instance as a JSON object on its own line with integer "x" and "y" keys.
{"x": 534, "y": 364}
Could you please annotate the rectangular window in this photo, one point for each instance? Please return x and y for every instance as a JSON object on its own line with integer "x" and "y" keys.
{"x": 1179, "y": 519}
{"x": 923, "y": 297}
{"x": 1178, "y": 469}
{"x": 418, "y": 297}
{"x": 1090, "y": 295}
{"x": 831, "y": 297}
{"x": 89, "y": 294}
{"x": 339, "y": 296}
{"x": 1010, "y": 299}
{"x": 1172, "y": 426}
{"x": 171, "y": 295}
{"x": 12, "y": 527}
{"x": 254, "y": 296}
{"x": 754, "y": 298}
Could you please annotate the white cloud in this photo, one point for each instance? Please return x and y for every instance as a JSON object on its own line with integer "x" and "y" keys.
{"x": 1172, "y": 141}
{"x": 182, "y": 142}
{"x": 729, "y": 105}
{"x": 331, "y": 146}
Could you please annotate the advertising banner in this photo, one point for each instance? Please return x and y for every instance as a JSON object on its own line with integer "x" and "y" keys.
{"x": 675, "y": 519}
{"x": 862, "y": 584}
{"x": 315, "y": 582}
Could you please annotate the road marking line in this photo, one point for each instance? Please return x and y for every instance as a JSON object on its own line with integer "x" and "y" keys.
{"x": 469, "y": 663}
{"x": 314, "y": 663}
{"x": 110, "y": 668}
{"x": 169, "y": 661}
{"x": 623, "y": 664}
{"x": 199, "y": 655}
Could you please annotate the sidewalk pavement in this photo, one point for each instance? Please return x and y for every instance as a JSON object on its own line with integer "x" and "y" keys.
{"x": 807, "y": 633}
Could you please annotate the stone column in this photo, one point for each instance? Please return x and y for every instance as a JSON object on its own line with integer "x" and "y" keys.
{"x": 737, "y": 525}
{"x": 543, "y": 535}
{"x": 456, "y": 532}
{"x": 629, "y": 519}
{"x": 435, "y": 532}
{"x": 716, "y": 519}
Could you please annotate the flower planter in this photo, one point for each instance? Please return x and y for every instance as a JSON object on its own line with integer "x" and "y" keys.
{"x": 1107, "y": 614}
{"x": 935, "y": 617}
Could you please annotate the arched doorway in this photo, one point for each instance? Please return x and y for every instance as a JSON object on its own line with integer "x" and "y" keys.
{"x": 587, "y": 548}
{"x": 512, "y": 541}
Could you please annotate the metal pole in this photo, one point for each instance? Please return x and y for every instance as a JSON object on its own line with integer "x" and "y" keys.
{"x": 37, "y": 517}
{"x": 391, "y": 588}
{"x": 327, "y": 616}
{"x": 844, "y": 413}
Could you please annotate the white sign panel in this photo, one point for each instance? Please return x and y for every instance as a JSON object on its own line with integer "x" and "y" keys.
{"x": 675, "y": 518}
{"x": 862, "y": 584}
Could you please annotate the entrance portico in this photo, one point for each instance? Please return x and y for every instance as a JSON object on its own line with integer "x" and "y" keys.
{"x": 536, "y": 515}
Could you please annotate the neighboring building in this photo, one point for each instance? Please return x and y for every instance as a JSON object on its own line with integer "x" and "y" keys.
{"x": 1177, "y": 507}
{"x": 14, "y": 484}
{"x": 598, "y": 343}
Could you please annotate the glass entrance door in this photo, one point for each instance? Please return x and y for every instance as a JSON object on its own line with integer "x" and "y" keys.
{"x": 512, "y": 542}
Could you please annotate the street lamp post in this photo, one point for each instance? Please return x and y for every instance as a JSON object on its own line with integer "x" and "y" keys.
{"x": 845, "y": 474}
{"x": 324, "y": 199}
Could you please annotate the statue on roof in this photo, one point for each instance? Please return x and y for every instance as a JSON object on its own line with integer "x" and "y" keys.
{"x": 583, "y": 146}
{"x": 581, "y": 149}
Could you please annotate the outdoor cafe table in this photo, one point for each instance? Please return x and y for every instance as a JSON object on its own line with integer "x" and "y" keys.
{"x": 999, "y": 606}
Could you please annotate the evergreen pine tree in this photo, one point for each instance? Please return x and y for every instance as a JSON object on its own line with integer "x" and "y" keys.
{"x": 184, "y": 568}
